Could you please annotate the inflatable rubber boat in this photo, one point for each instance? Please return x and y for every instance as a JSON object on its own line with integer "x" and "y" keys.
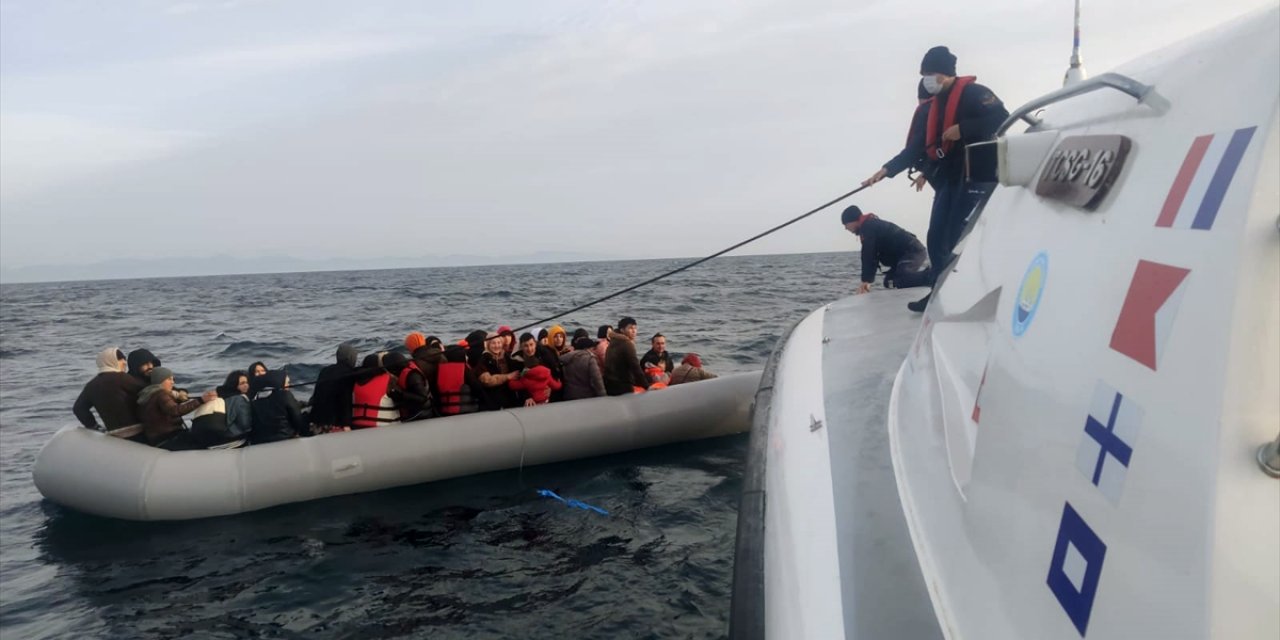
{"x": 108, "y": 476}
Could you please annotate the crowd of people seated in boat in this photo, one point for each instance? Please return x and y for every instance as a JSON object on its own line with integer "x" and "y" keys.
{"x": 134, "y": 396}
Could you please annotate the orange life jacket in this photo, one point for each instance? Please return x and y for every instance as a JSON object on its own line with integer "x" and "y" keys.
{"x": 935, "y": 147}
{"x": 370, "y": 404}
{"x": 455, "y": 393}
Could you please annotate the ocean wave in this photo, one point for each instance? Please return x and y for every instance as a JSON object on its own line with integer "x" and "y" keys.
{"x": 252, "y": 348}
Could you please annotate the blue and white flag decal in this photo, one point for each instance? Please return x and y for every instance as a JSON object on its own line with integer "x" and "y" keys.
{"x": 1110, "y": 433}
{"x": 1076, "y": 567}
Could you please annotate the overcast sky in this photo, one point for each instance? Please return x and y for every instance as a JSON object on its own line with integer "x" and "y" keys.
{"x": 368, "y": 128}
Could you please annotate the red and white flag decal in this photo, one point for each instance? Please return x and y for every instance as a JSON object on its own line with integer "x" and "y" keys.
{"x": 1150, "y": 307}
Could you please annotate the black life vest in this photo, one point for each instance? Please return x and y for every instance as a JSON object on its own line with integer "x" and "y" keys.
{"x": 935, "y": 147}
{"x": 370, "y": 404}
{"x": 455, "y": 393}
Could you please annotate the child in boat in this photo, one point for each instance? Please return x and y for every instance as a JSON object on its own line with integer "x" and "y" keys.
{"x": 538, "y": 383}
{"x": 690, "y": 370}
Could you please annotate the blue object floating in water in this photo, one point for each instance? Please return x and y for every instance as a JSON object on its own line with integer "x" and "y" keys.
{"x": 577, "y": 504}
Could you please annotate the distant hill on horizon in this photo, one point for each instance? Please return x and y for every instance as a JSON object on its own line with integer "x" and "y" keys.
{"x": 129, "y": 269}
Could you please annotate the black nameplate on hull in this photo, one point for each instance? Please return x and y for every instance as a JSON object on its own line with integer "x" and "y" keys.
{"x": 1082, "y": 169}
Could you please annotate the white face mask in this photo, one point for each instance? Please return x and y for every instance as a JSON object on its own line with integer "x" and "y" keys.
{"x": 931, "y": 84}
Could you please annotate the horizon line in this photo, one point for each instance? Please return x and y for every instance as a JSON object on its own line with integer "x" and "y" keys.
{"x": 7, "y": 282}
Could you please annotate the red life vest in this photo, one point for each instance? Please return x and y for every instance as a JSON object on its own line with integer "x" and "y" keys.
{"x": 370, "y": 404}
{"x": 404, "y": 374}
{"x": 922, "y": 105}
{"x": 403, "y": 379}
{"x": 455, "y": 393}
{"x": 935, "y": 147}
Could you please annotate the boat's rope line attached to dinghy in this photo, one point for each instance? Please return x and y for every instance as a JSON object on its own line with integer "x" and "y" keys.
{"x": 668, "y": 274}
{"x": 690, "y": 265}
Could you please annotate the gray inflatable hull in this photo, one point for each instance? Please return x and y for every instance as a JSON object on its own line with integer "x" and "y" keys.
{"x": 96, "y": 473}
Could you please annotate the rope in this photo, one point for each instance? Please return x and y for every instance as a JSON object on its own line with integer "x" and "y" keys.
{"x": 669, "y": 273}
{"x": 691, "y": 264}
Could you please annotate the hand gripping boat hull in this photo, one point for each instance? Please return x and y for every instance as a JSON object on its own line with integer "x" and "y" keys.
{"x": 1073, "y": 442}
{"x": 107, "y": 476}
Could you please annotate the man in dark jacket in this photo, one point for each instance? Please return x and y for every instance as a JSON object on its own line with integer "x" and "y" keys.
{"x": 141, "y": 362}
{"x": 885, "y": 243}
{"x": 657, "y": 355}
{"x": 911, "y": 157}
{"x": 413, "y": 395}
{"x": 622, "y": 372}
{"x": 112, "y": 393}
{"x": 531, "y": 353}
{"x": 429, "y": 357}
{"x": 961, "y": 113}
{"x": 331, "y": 400}
{"x": 276, "y": 413}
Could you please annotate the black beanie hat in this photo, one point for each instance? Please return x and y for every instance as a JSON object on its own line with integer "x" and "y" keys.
{"x": 585, "y": 343}
{"x": 921, "y": 93}
{"x": 938, "y": 60}
{"x": 850, "y": 215}
{"x": 455, "y": 353}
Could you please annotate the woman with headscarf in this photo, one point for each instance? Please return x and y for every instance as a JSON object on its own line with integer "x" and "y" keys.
{"x": 226, "y": 420}
{"x": 112, "y": 393}
{"x": 558, "y": 340}
{"x": 235, "y": 394}
{"x": 161, "y": 414}
{"x": 690, "y": 370}
{"x": 509, "y": 343}
{"x": 602, "y": 343}
{"x": 276, "y": 412}
{"x": 331, "y": 399}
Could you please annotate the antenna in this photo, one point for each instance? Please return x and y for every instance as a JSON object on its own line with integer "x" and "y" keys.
{"x": 1075, "y": 73}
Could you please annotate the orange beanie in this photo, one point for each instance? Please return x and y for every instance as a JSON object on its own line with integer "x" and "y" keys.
{"x": 414, "y": 340}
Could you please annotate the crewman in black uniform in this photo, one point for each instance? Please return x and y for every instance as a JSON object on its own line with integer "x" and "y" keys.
{"x": 911, "y": 157}
{"x": 961, "y": 112}
{"x": 885, "y": 243}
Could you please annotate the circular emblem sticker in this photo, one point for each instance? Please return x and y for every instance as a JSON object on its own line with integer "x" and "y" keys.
{"x": 1029, "y": 293}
